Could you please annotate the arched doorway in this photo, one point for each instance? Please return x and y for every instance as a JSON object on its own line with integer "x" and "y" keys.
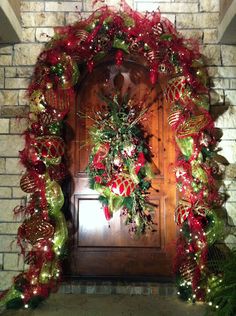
{"x": 99, "y": 248}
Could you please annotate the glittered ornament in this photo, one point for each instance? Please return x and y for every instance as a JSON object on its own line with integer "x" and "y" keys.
{"x": 182, "y": 211}
{"x": 187, "y": 269}
{"x": 35, "y": 229}
{"x": 29, "y": 182}
{"x": 39, "y": 167}
{"x": 55, "y": 128}
{"x": 49, "y": 146}
{"x": 122, "y": 185}
{"x": 45, "y": 118}
{"x": 175, "y": 114}
{"x": 175, "y": 89}
{"x": 192, "y": 126}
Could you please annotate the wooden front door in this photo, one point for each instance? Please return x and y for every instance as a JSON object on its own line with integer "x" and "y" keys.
{"x": 106, "y": 250}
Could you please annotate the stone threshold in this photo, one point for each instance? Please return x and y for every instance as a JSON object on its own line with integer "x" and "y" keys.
{"x": 117, "y": 287}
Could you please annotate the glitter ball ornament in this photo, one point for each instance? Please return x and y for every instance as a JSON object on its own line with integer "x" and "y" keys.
{"x": 122, "y": 185}
{"x": 182, "y": 211}
{"x": 39, "y": 167}
{"x": 49, "y": 146}
{"x": 187, "y": 269}
{"x": 29, "y": 182}
{"x": 46, "y": 118}
{"x": 35, "y": 229}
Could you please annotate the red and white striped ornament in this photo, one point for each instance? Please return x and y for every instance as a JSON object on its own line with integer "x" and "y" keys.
{"x": 182, "y": 211}
{"x": 175, "y": 115}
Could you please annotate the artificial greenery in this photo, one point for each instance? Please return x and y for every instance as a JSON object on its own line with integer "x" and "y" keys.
{"x": 222, "y": 289}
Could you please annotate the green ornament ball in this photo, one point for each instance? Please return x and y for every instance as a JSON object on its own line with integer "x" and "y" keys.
{"x": 55, "y": 128}
{"x": 53, "y": 69}
{"x": 59, "y": 72}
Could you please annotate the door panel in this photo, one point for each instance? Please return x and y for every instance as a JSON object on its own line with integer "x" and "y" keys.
{"x": 99, "y": 248}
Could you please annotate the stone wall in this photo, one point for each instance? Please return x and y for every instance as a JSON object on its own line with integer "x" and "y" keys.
{"x": 197, "y": 18}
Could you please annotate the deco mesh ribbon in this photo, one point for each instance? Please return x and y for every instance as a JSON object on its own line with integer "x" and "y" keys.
{"x": 169, "y": 57}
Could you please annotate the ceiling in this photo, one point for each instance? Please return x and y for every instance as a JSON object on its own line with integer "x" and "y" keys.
{"x": 10, "y": 22}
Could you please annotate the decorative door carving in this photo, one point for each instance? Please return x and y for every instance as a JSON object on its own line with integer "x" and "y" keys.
{"x": 99, "y": 248}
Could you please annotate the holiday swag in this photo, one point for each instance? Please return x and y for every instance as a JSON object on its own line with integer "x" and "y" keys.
{"x": 118, "y": 167}
{"x": 119, "y": 164}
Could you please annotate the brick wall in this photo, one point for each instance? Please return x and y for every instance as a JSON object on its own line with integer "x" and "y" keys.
{"x": 197, "y": 18}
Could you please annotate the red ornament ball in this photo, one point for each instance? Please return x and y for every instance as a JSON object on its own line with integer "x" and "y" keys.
{"x": 50, "y": 146}
{"x": 40, "y": 167}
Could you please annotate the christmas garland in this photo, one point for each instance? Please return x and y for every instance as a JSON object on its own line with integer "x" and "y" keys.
{"x": 74, "y": 49}
{"x": 118, "y": 165}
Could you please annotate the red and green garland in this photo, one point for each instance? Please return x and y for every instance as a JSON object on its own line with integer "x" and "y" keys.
{"x": 74, "y": 49}
{"x": 118, "y": 167}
